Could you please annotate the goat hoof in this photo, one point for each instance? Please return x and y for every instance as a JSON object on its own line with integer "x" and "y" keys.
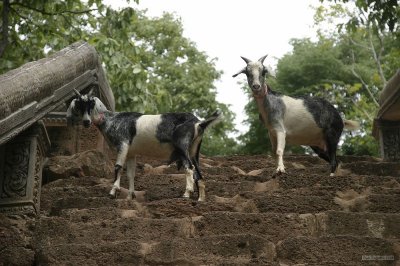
{"x": 186, "y": 195}
{"x": 280, "y": 170}
{"x": 131, "y": 196}
{"x": 278, "y": 173}
{"x": 111, "y": 196}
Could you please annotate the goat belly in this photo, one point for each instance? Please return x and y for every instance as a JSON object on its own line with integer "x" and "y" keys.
{"x": 300, "y": 126}
{"x": 311, "y": 139}
{"x": 146, "y": 143}
{"x": 305, "y": 134}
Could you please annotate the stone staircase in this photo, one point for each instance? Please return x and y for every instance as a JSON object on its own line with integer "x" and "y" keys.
{"x": 249, "y": 218}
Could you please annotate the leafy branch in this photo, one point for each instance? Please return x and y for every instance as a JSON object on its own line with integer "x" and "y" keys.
{"x": 4, "y": 26}
{"x": 44, "y": 12}
{"x": 365, "y": 85}
{"x": 13, "y": 7}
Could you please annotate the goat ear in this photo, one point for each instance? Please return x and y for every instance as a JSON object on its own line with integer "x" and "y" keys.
{"x": 71, "y": 116}
{"x": 261, "y": 60}
{"x": 246, "y": 60}
{"x": 100, "y": 106}
{"x": 240, "y": 72}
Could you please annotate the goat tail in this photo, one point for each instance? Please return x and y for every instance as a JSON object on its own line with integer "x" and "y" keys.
{"x": 212, "y": 120}
{"x": 351, "y": 124}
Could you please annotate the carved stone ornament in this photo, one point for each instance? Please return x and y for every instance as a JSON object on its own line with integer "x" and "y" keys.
{"x": 21, "y": 163}
{"x": 389, "y": 132}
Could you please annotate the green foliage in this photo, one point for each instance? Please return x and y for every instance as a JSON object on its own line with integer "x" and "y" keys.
{"x": 150, "y": 65}
{"x": 384, "y": 13}
{"x": 309, "y": 65}
{"x": 35, "y": 26}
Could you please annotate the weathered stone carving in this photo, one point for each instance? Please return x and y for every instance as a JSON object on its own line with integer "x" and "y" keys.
{"x": 386, "y": 126}
{"x": 390, "y": 140}
{"x": 16, "y": 168}
{"x": 20, "y": 175}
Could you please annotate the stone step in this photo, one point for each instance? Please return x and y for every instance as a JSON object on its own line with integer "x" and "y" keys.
{"x": 73, "y": 181}
{"x": 126, "y": 225}
{"x": 312, "y": 180}
{"x": 295, "y": 201}
{"x": 280, "y": 226}
{"x": 172, "y": 186}
{"x": 238, "y": 249}
{"x": 368, "y": 224}
{"x": 75, "y": 215}
{"x": 293, "y": 178}
{"x": 313, "y": 203}
{"x": 229, "y": 196}
{"x": 76, "y": 202}
{"x": 223, "y": 189}
{"x": 327, "y": 223}
{"x": 338, "y": 250}
{"x": 377, "y": 168}
{"x": 52, "y": 195}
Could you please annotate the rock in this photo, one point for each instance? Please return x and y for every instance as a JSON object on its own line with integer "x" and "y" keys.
{"x": 87, "y": 163}
{"x": 238, "y": 170}
{"x": 351, "y": 200}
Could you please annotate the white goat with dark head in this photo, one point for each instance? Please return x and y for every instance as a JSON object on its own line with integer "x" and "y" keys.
{"x": 307, "y": 121}
{"x": 175, "y": 137}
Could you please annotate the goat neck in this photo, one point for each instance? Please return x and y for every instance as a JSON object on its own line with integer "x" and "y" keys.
{"x": 99, "y": 119}
{"x": 261, "y": 99}
{"x": 99, "y": 113}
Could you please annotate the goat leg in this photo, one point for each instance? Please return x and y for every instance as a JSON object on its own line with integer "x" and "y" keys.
{"x": 117, "y": 181}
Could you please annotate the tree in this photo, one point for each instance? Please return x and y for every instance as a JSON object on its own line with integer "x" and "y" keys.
{"x": 370, "y": 51}
{"x": 151, "y": 66}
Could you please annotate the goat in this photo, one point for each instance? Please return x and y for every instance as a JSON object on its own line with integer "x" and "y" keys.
{"x": 307, "y": 121}
{"x": 173, "y": 136}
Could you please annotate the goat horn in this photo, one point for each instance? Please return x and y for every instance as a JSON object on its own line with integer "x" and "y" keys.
{"x": 91, "y": 92}
{"x": 77, "y": 92}
{"x": 240, "y": 72}
{"x": 246, "y": 60}
{"x": 262, "y": 59}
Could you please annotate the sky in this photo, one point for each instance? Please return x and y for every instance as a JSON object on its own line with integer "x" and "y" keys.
{"x": 227, "y": 30}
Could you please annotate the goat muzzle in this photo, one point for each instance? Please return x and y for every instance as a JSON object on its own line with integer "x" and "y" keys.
{"x": 261, "y": 93}
{"x": 86, "y": 123}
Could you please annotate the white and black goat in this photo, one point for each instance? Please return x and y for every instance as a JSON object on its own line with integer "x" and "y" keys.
{"x": 175, "y": 137}
{"x": 307, "y": 121}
